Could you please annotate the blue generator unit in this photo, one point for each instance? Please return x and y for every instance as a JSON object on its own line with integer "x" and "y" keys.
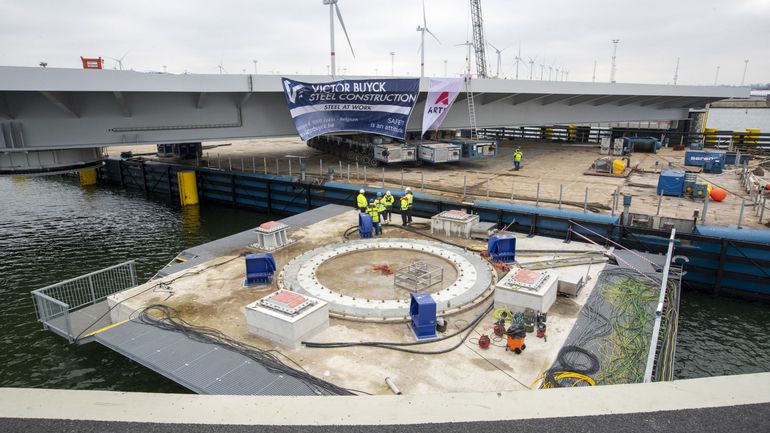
{"x": 671, "y": 182}
{"x": 699, "y": 158}
{"x": 364, "y": 226}
{"x": 422, "y": 310}
{"x": 502, "y": 248}
{"x": 260, "y": 269}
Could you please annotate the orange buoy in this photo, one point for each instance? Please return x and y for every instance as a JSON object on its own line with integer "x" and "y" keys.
{"x": 718, "y": 194}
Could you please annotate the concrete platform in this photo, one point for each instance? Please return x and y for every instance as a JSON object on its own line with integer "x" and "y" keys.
{"x": 210, "y": 294}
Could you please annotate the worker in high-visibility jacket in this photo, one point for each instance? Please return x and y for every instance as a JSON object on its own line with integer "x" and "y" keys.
{"x": 380, "y": 203}
{"x": 361, "y": 201}
{"x": 517, "y": 156}
{"x": 374, "y": 212}
{"x": 404, "y": 210}
{"x": 388, "y": 201}
{"x": 410, "y": 197}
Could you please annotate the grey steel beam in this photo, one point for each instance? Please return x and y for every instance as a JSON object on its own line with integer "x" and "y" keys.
{"x": 629, "y": 100}
{"x": 529, "y": 98}
{"x": 585, "y": 99}
{"x": 686, "y": 102}
{"x": 556, "y": 98}
{"x": 606, "y": 100}
{"x": 488, "y": 99}
{"x": 122, "y": 103}
{"x": 5, "y": 106}
{"x": 63, "y": 101}
{"x": 654, "y": 100}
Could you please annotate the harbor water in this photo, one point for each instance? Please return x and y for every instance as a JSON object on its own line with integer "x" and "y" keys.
{"x": 52, "y": 229}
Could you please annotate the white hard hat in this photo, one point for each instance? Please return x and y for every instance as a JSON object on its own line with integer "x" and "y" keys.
{"x": 408, "y": 189}
{"x": 361, "y": 191}
{"x": 387, "y": 192}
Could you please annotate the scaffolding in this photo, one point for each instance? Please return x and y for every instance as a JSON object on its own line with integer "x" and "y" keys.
{"x": 418, "y": 277}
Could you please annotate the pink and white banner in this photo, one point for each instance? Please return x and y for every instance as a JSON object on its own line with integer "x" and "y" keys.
{"x": 442, "y": 93}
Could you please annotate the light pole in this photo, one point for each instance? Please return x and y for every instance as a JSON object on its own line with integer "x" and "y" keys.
{"x": 593, "y": 77}
{"x": 446, "y": 61}
{"x": 255, "y": 66}
{"x": 614, "y": 55}
{"x": 392, "y": 63}
{"x": 716, "y": 77}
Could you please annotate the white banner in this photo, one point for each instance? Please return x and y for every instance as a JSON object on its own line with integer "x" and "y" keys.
{"x": 442, "y": 93}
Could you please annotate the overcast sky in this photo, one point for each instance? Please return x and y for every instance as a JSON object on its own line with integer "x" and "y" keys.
{"x": 292, "y": 36}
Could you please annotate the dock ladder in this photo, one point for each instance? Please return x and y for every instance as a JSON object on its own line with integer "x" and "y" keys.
{"x": 471, "y": 106}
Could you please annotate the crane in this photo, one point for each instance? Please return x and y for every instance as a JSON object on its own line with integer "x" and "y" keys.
{"x": 478, "y": 39}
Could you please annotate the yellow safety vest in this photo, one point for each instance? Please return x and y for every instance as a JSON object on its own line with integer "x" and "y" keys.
{"x": 517, "y": 156}
{"x": 380, "y": 204}
{"x": 404, "y": 203}
{"x": 410, "y": 197}
{"x": 389, "y": 199}
{"x": 374, "y": 213}
{"x": 361, "y": 200}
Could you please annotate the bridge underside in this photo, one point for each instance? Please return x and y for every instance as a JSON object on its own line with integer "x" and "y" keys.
{"x": 46, "y": 114}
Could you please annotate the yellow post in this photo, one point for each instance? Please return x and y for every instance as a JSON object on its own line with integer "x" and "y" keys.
{"x": 188, "y": 188}
{"x": 87, "y": 177}
{"x": 548, "y": 133}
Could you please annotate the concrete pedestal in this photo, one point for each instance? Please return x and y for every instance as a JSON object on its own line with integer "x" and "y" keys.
{"x": 287, "y": 317}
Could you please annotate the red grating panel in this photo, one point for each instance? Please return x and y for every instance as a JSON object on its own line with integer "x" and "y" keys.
{"x": 525, "y": 276}
{"x": 290, "y": 299}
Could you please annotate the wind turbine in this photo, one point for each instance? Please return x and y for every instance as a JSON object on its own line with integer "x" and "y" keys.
{"x": 120, "y": 60}
{"x": 220, "y": 67}
{"x": 467, "y": 58}
{"x": 518, "y": 60}
{"x": 531, "y": 66}
{"x": 499, "y": 59}
{"x": 424, "y": 29}
{"x": 333, "y": 7}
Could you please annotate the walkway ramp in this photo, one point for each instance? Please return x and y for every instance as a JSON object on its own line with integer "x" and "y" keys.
{"x": 200, "y": 367}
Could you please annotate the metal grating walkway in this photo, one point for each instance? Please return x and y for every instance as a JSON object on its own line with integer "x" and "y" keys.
{"x": 201, "y": 367}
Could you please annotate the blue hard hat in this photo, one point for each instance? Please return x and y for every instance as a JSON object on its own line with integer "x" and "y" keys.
{"x": 379, "y": 194}
{"x": 371, "y": 200}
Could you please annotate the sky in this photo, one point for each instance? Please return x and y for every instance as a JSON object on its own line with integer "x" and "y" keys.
{"x": 292, "y": 36}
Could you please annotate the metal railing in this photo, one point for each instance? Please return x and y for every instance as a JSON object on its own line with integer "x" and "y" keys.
{"x": 54, "y": 303}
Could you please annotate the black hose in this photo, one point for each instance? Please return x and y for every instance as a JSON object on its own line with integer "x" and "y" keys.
{"x": 567, "y": 365}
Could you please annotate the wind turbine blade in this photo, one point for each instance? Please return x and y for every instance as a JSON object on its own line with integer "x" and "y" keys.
{"x": 342, "y": 23}
{"x": 434, "y": 36}
{"x": 424, "y": 21}
{"x": 494, "y": 47}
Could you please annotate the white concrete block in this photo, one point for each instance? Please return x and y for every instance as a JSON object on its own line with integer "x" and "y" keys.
{"x": 453, "y": 223}
{"x": 283, "y": 328}
{"x": 518, "y": 297}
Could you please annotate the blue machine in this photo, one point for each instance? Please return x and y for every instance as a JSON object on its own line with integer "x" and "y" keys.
{"x": 364, "y": 225}
{"x": 259, "y": 269}
{"x": 671, "y": 182}
{"x": 699, "y": 191}
{"x": 502, "y": 248}
{"x": 422, "y": 310}
{"x": 713, "y": 166}
{"x": 699, "y": 158}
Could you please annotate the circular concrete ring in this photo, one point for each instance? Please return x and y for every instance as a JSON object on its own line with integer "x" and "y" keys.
{"x": 473, "y": 284}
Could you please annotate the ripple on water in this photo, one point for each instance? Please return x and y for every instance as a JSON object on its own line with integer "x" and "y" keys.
{"x": 51, "y": 229}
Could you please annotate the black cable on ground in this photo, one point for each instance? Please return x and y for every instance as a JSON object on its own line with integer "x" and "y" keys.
{"x": 399, "y": 346}
{"x": 168, "y": 318}
{"x": 571, "y": 365}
